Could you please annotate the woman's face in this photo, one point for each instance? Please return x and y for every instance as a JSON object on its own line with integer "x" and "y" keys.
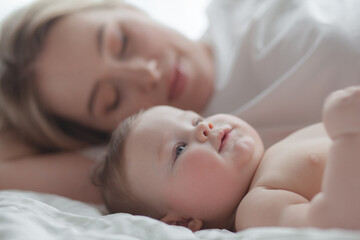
{"x": 98, "y": 67}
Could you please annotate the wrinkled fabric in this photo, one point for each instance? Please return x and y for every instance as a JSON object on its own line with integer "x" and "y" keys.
{"x": 30, "y": 215}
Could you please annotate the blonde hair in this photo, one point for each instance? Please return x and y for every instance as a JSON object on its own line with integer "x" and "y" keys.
{"x": 110, "y": 175}
{"x": 22, "y": 37}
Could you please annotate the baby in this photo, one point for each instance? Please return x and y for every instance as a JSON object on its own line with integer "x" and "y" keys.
{"x": 213, "y": 172}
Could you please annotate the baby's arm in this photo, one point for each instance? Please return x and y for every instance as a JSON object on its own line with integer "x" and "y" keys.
{"x": 272, "y": 207}
{"x": 338, "y": 203}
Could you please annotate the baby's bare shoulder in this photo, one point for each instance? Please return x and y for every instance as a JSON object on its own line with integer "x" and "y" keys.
{"x": 289, "y": 174}
{"x": 300, "y": 158}
{"x": 304, "y": 134}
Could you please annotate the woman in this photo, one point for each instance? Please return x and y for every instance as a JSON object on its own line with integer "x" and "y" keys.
{"x": 71, "y": 70}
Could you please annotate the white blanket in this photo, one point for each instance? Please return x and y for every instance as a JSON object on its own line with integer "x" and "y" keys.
{"x": 29, "y": 215}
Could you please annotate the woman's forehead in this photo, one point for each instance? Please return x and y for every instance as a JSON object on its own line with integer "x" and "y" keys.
{"x": 102, "y": 14}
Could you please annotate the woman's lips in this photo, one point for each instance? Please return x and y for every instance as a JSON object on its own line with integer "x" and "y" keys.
{"x": 177, "y": 83}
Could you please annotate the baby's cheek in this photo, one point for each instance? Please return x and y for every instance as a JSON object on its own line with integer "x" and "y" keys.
{"x": 202, "y": 183}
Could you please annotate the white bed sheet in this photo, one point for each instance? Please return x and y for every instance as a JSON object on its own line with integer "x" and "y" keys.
{"x": 30, "y": 215}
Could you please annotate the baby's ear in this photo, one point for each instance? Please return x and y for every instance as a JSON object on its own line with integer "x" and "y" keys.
{"x": 194, "y": 224}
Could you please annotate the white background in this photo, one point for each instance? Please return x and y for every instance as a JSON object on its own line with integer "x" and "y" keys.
{"x": 187, "y": 16}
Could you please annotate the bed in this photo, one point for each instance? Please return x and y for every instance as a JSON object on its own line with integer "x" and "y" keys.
{"x": 31, "y": 215}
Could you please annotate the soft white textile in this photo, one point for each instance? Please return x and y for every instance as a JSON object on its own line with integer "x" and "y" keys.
{"x": 277, "y": 60}
{"x": 29, "y": 215}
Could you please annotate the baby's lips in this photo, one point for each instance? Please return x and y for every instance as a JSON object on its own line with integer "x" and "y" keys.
{"x": 223, "y": 136}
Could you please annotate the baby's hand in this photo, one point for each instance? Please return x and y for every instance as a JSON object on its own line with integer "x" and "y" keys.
{"x": 341, "y": 112}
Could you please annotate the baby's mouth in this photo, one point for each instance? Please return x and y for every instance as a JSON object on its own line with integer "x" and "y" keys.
{"x": 224, "y": 136}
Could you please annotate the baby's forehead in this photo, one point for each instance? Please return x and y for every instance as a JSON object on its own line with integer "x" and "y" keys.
{"x": 156, "y": 119}
{"x": 162, "y": 112}
{"x": 163, "y": 117}
{"x": 151, "y": 127}
{"x": 154, "y": 116}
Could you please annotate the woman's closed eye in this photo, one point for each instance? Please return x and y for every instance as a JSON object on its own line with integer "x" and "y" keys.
{"x": 109, "y": 96}
{"x": 115, "y": 103}
{"x": 124, "y": 45}
{"x": 179, "y": 148}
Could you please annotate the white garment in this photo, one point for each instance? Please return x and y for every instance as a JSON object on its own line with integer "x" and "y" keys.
{"x": 277, "y": 60}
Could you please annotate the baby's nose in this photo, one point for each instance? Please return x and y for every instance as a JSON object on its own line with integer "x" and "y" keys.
{"x": 203, "y": 130}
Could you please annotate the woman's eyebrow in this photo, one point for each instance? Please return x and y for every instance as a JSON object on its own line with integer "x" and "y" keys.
{"x": 100, "y": 39}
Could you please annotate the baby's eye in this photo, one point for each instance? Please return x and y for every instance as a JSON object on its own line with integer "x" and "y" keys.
{"x": 178, "y": 149}
{"x": 197, "y": 121}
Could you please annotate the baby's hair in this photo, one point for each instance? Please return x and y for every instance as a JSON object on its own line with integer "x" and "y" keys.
{"x": 110, "y": 175}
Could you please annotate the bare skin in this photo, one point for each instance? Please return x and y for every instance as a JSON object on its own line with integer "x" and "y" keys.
{"x": 188, "y": 166}
{"x": 309, "y": 178}
{"x": 98, "y": 83}
{"x": 66, "y": 174}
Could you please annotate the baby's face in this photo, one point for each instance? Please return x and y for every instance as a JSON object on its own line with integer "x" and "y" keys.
{"x": 181, "y": 163}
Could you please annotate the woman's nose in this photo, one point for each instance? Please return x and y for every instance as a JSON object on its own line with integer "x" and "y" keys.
{"x": 202, "y": 131}
{"x": 142, "y": 73}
